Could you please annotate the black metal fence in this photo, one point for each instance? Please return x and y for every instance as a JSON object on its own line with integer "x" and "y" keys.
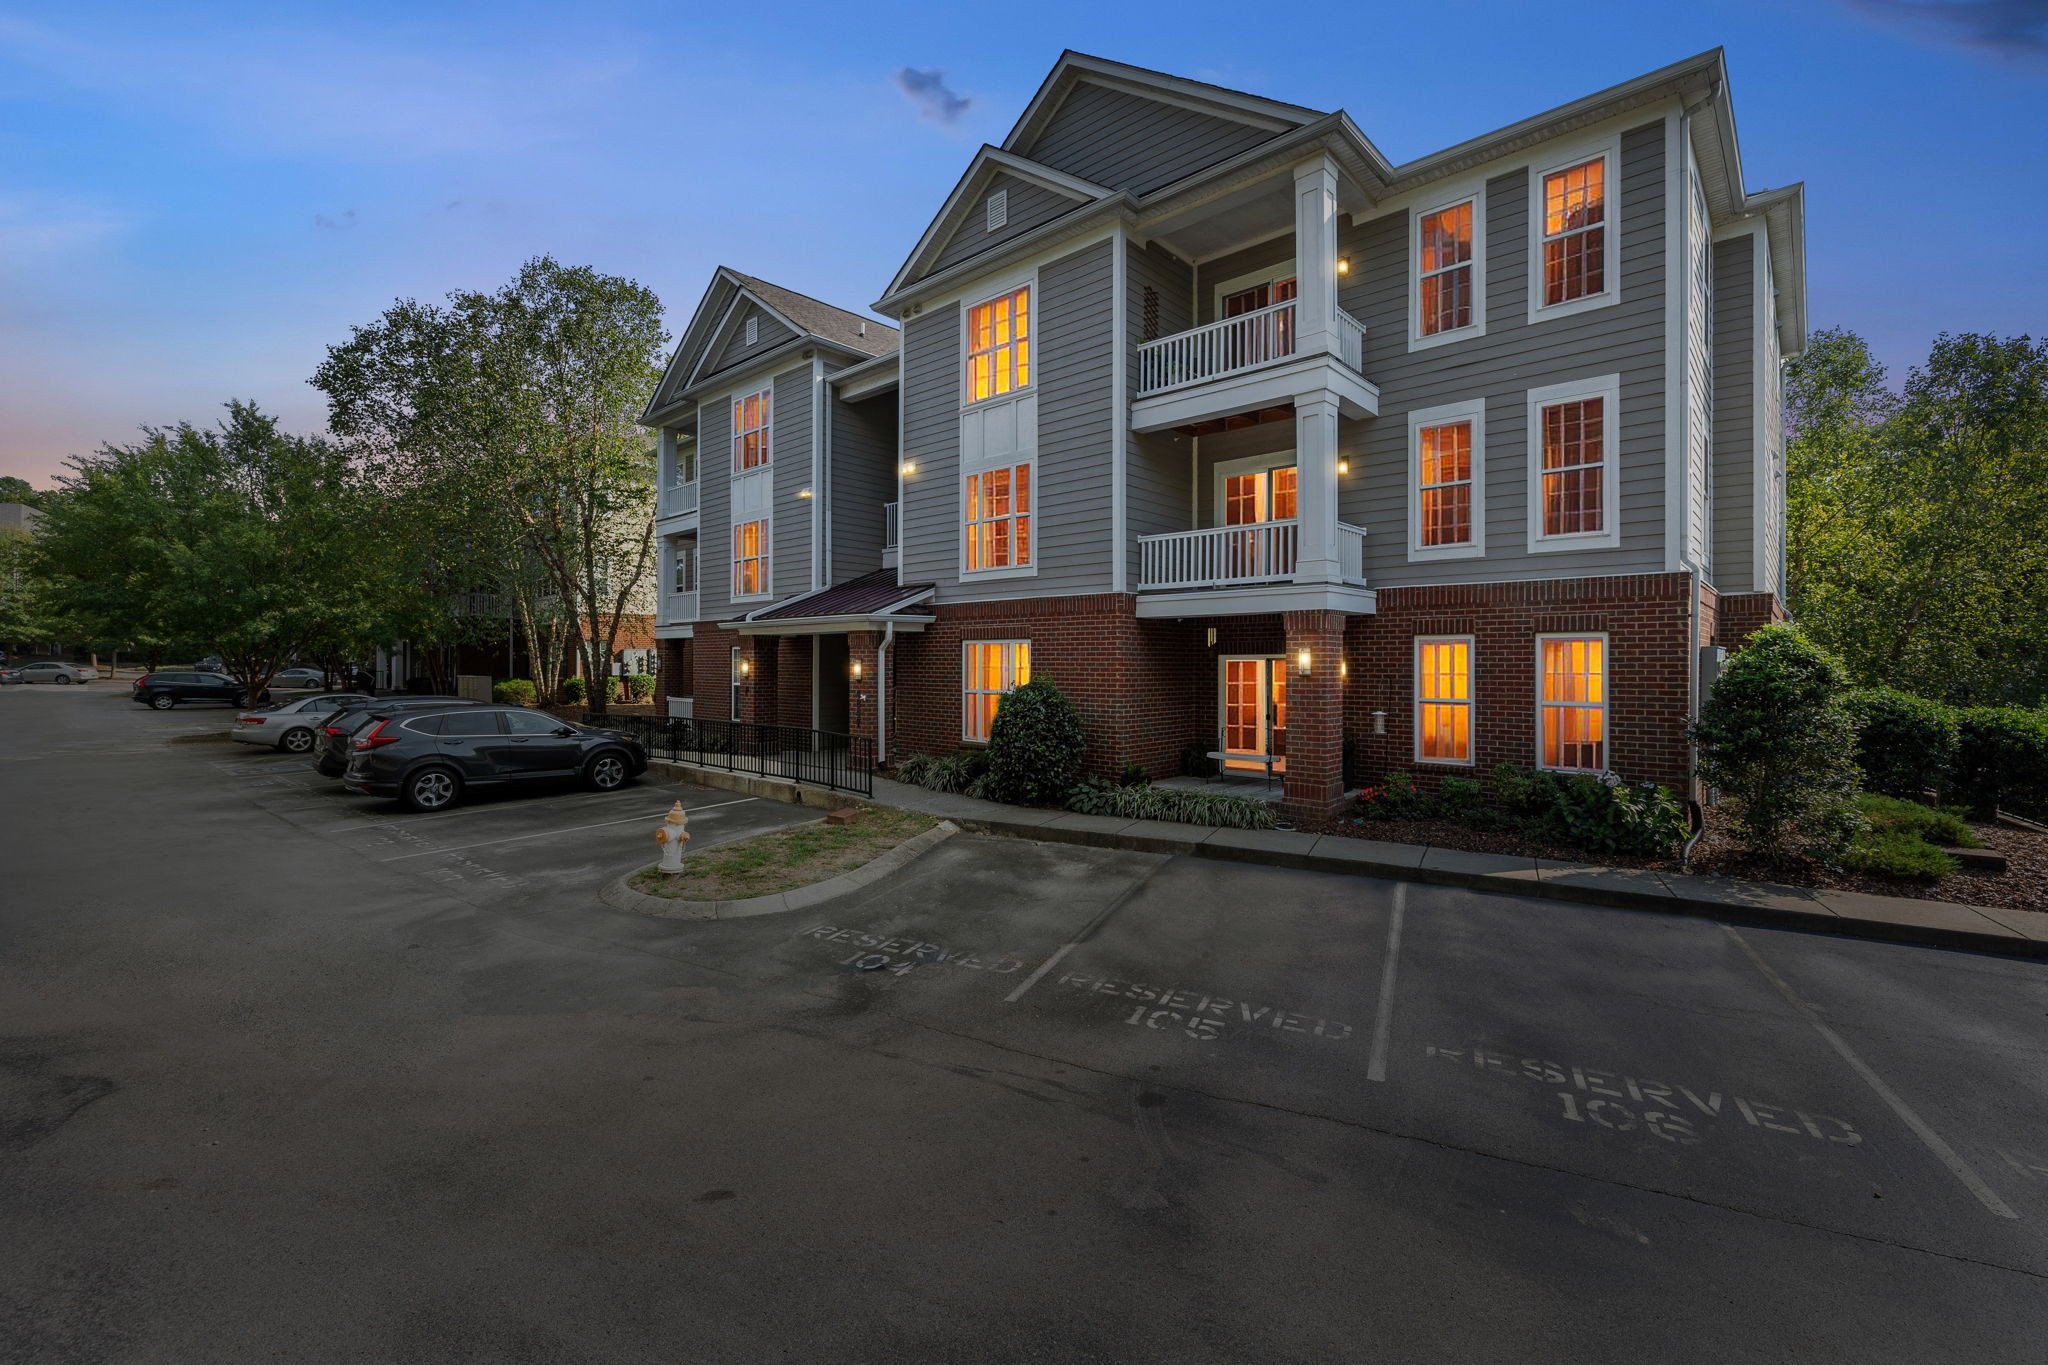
{"x": 822, "y": 757}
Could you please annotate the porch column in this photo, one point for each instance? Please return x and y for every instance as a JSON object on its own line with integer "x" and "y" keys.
{"x": 862, "y": 646}
{"x": 1315, "y": 458}
{"x": 758, "y": 682}
{"x": 793, "y": 681}
{"x": 1315, "y": 716}
{"x": 1315, "y": 255}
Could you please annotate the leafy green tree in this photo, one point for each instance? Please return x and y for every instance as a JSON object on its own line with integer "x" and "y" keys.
{"x": 13, "y": 489}
{"x": 24, "y": 609}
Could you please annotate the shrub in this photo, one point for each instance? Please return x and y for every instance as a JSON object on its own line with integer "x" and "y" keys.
{"x": 574, "y": 689}
{"x": 515, "y": 692}
{"x": 1897, "y": 853}
{"x": 2002, "y": 759}
{"x": 1775, "y": 739}
{"x": 1195, "y": 760}
{"x": 1034, "y": 746}
{"x": 1904, "y": 744}
{"x": 1459, "y": 798}
{"x": 1395, "y": 798}
{"x": 1097, "y": 797}
{"x": 1597, "y": 814}
{"x": 1133, "y": 776}
{"x": 639, "y": 686}
{"x": 1942, "y": 828}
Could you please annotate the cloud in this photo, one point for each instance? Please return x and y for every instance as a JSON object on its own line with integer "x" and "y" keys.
{"x": 344, "y": 221}
{"x": 2006, "y": 28}
{"x": 927, "y": 90}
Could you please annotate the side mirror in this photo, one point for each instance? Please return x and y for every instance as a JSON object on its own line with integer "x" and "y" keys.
{"x": 566, "y": 732}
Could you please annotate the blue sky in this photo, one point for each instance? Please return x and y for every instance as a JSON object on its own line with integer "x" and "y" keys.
{"x": 196, "y": 199}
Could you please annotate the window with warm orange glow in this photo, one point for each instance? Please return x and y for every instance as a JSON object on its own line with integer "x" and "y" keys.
{"x": 1575, "y": 231}
{"x": 750, "y": 559}
{"x": 999, "y": 345}
{"x": 1445, "y": 471}
{"x": 989, "y": 669}
{"x": 1444, "y": 245}
{"x": 1443, "y": 700}
{"x": 999, "y": 518}
{"x": 750, "y": 431}
{"x": 1571, "y": 714}
{"x": 1574, "y": 467}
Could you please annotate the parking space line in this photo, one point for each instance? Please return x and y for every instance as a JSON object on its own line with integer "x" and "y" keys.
{"x": 1947, "y": 1154}
{"x": 1376, "y": 1069}
{"x": 566, "y": 801}
{"x": 544, "y": 833}
{"x": 1087, "y": 932}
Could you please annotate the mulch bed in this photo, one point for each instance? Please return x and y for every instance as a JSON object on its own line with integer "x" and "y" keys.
{"x": 2023, "y": 885}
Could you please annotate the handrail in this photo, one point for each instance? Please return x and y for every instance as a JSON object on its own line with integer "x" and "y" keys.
{"x": 1214, "y": 350}
{"x": 1261, "y": 552}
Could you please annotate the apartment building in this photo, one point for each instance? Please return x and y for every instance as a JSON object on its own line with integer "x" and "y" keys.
{"x": 1259, "y": 445}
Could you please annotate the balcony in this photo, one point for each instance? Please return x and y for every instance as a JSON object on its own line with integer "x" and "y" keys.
{"x": 1244, "y": 363}
{"x": 678, "y": 499}
{"x": 1226, "y": 570}
{"x": 678, "y": 608}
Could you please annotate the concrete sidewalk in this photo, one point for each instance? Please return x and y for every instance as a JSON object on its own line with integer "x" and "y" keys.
{"x": 1901, "y": 919}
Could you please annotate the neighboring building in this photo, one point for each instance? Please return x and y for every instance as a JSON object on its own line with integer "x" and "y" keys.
{"x": 1259, "y": 444}
{"x": 18, "y": 516}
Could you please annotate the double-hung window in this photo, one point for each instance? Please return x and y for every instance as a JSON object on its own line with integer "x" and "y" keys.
{"x": 1449, "y": 295}
{"x": 989, "y": 669}
{"x": 749, "y": 558}
{"x": 752, "y": 430}
{"x": 1447, "y": 481}
{"x": 999, "y": 518}
{"x": 1575, "y": 247}
{"x": 1574, "y": 488}
{"x": 1571, "y": 702}
{"x": 999, "y": 345}
{"x": 1443, "y": 699}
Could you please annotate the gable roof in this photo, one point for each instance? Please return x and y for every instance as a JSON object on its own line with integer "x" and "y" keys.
{"x": 988, "y": 162}
{"x": 1074, "y": 68}
{"x": 810, "y": 319}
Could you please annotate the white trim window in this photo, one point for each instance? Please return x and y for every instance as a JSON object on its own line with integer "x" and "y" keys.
{"x": 684, "y": 467}
{"x": 1447, "y": 481}
{"x": 989, "y": 670}
{"x": 750, "y": 559}
{"x": 999, "y": 345}
{"x": 998, "y": 519}
{"x": 1574, "y": 465}
{"x": 752, "y": 430}
{"x": 1574, "y": 232}
{"x": 1446, "y": 245}
{"x": 683, "y": 567}
{"x": 1571, "y": 703}
{"x": 1443, "y": 699}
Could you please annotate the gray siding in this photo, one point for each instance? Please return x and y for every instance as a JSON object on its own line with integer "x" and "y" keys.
{"x": 1030, "y": 206}
{"x": 1735, "y": 505}
{"x": 714, "y": 511}
{"x": 1157, "y": 464}
{"x": 1128, "y": 142}
{"x": 863, "y": 478}
{"x": 1502, "y": 366}
{"x": 768, "y": 335}
{"x": 1236, "y": 265}
{"x": 1071, "y": 530}
{"x": 789, "y": 565}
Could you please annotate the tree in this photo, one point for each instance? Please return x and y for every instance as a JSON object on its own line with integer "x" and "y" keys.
{"x": 24, "y": 608}
{"x": 519, "y": 406}
{"x": 13, "y": 489}
{"x": 1918, "y": 524}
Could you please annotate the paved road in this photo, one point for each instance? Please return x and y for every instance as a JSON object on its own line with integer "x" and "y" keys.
{"x": 286, "y": 1074}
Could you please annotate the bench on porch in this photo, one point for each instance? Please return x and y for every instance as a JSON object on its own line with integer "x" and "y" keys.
{"x": 1223, "y": 757}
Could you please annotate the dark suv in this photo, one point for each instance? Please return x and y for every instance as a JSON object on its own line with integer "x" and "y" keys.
{"x": 165, "y": 690}
{"x": 427, "y": 758}
{"x": 330, "y": 757}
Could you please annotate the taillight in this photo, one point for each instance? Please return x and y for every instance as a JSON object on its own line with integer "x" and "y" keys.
{"x": 144, "y": 679}
{"x": 376, "y": 739}
{"x": 253, "y": 720}
{"x": 331, "y": 730}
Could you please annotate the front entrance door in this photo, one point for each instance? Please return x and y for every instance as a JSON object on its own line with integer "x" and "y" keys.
{"x": 1255, "y": 712}
{"x": 830, "y": 684}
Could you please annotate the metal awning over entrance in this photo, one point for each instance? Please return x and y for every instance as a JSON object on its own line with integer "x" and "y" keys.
{"x": 873, "y": 601}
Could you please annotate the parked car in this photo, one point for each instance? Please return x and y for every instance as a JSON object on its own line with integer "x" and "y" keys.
{"x": 62, "y": 674}
{"x": 331, "y": 758}
{"x": 212, "y": 663}
{"x": 166, "y": 689}
{"x": 289, "y": 678}
{"x": 428, "y": 758}
{"x": 292, "y": 726}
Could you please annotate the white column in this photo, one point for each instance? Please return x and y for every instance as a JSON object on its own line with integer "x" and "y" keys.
{"x": 1315, "y": 482}
{"x": 664, "y": 470}
{"x": 1315, "y": 256}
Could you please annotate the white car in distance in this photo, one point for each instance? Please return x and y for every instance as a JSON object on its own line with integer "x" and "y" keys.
{"x": 291, "y": 726}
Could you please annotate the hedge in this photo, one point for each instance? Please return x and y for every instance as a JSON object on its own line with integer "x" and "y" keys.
{"x": 515, "y": 692}
{"x": 2002, "y": 759}
{"x": 1905, "y": 744}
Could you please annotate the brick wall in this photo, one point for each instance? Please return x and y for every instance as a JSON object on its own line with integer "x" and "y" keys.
{"x": 1743, "y": 614}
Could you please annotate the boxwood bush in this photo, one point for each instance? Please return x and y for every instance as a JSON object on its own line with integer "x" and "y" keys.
{"x": 574, "y": 689}
{"x": 1034, "y": 746}
{"x": 639, "y": 686}
{"x": 2002, "y": 759}
{"x": 515, "y": 692}
{"x": 1905, "y": 745}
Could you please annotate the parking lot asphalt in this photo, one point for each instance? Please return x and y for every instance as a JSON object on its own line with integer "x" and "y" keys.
{"x": 290, "y": 1073}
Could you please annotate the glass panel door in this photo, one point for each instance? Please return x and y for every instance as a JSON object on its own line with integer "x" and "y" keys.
{"x": 1254, "y": 713}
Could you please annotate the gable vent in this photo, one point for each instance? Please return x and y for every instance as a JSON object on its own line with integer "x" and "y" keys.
{"x": 753, "y": 330}
{"x": 998, "y": 209}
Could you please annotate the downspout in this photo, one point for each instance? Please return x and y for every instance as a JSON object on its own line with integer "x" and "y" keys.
{"x": 1683, "y": 275}
{"x": 882, "y": 694}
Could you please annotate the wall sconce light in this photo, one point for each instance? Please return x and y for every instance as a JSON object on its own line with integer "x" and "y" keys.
{"x": 803, "y": 492}
{"x": 856, "y": 670}
{"x": 1212, "y": 637}
{"x": 1343, "y": 465}
{"x": 907, "y": 468}
{"x": 746, "y": 667}
{"x": 1343, "y": 669}
{"x": 1343, "y": 265}
{"x": 1302, "y": 660}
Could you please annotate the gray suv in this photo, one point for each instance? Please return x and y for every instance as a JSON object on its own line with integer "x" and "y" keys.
{"x": 427, "y": 759}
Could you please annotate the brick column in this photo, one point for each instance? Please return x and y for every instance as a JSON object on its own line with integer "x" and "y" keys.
{"x": 1315, "y": 716}
{"x": 793, "y": 681}
{"x": 758, "y": 683}
{"x": 671, "y": 672}
{"x": 862, "y": 647}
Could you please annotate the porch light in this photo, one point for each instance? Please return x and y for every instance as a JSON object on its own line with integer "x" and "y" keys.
{"x": 746, "y": 666}
{"x": 1343, "y": 265}
{"x": 1343, "y": 465}
{"x": 908, "y": 468}
{"x": 856, "y": 670}
{"x": 803, "y": 492}
{"x": 1302, "y": 661}
{"x": 1343, "y": 669}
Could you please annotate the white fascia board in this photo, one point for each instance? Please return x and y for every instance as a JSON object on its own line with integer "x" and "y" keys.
{"x": 987, "y": 161}
{"x": 1206, "y": 602}
{"x": 1084, "y": 226}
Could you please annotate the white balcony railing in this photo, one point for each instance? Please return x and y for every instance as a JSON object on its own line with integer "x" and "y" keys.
{"x": 1351, "y": 553}
{"x": 678, "y": 498}
{"x": 892, "y": 525}
{"x": 1262, "y": 552}
{"x": 678, "y": 608}
{"x": 1218, "y": 350}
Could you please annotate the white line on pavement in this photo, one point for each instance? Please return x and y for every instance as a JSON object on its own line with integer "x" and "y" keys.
{"x": 1077, "y": 940}
{"x": 545, "y": 833}
{"x": 1376, "y": 1069}
{"x": 1947, "y": 1154}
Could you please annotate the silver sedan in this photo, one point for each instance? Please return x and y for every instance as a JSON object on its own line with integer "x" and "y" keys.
{"x": 45, "y": 673}
{"x": 291, "y": 726}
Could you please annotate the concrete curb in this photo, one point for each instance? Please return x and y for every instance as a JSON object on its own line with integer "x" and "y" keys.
{"x": 620, "y": 896}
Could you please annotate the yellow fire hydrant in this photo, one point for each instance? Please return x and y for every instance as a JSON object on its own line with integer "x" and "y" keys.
{"x": 672, "y": 833}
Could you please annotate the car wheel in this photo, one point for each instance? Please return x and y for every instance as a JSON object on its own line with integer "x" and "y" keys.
{"x": 296, "y": 741}
{"x": 606, "y": 772}
{"x": 163, "y": 701}
{"x": 432, "y": 789}
{"x": 63, "y": 681}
